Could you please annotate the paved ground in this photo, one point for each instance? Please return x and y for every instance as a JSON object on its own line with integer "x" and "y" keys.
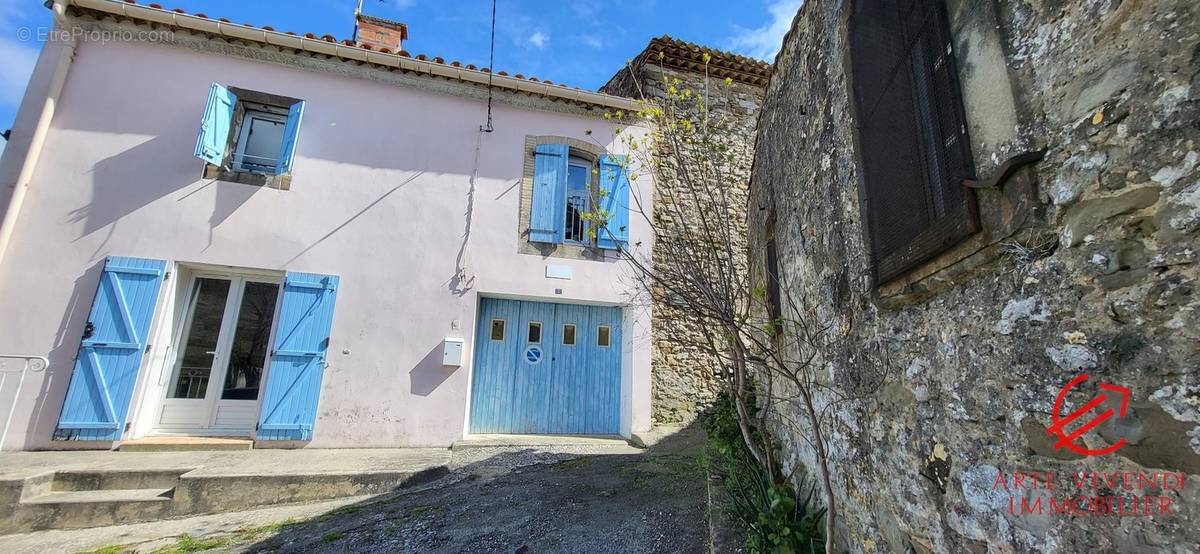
{"x": 591, "y": 498}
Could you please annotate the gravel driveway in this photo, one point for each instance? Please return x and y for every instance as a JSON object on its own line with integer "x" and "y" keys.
{"x": 649, "y": 501}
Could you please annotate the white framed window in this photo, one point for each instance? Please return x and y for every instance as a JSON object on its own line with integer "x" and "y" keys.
{"x": 568, "y": 335}
{"x": 259, "y": 140}
{"x": 535, "y": 332}
{"x": 497, "y": 329}
{"x": 579, "y": 195}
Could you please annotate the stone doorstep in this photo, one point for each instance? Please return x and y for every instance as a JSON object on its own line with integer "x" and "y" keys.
{"x": 647, "y": 439}
{"x": 506, "y": 441}
{"x": 177, "y": 444}
{"x": 75, "y": 499}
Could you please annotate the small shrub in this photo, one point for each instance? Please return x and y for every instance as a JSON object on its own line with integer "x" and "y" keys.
{"x": 774, "y": 517}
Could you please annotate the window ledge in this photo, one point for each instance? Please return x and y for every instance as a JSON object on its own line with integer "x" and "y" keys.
{"x": 563, "y": 250}
{"x": 281, "y": 182}
{"x": 1005, "y": 213}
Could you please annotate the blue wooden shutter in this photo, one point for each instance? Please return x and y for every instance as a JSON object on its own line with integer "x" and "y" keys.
{"x": 289, "y": 406}
{"x": 549, "y": 210}
{"x": 214, "y": 127}
{"x": 110, "y": 353}
{"x": 614, "y": 199}
{"x": 287, "y": 150}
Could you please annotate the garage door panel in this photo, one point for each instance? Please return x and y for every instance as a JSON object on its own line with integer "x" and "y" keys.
{"x": 492, "y": 389}
{"x": 570, "y": 379}
{"x": 570, "y": 388}
{"x": 605, "y": 371}
{"x": 531, "y": 390}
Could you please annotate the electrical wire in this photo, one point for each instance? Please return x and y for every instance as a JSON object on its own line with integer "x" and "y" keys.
{"x": 491, "y": 70}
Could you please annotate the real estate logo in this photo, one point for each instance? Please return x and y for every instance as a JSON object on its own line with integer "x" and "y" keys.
{"x": 1090, "y": 491}
{"x": 1071, "y": 439}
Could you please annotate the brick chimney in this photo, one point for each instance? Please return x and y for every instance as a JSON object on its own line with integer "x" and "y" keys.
{"x": 379, "y": 33}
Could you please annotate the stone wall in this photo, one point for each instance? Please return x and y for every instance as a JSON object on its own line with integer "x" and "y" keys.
{"x": 684, "y": 380}
{"x": 1086, "y": 263}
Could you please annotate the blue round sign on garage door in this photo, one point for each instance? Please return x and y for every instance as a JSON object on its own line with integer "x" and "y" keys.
{"x": 533, "y": 354}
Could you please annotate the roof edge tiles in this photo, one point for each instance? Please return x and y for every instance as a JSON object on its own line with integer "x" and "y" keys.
{"x": 347, "y": 51}
{"x": 687, "y": 56}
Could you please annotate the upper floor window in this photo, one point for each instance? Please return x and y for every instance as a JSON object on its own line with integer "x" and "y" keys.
{"x": 579, "y": 195}
{"x": 248, "y": 131}
{"x": 259, "y": 139}
{"x": 568, "y": 185}
{"x": 912, "y": 134}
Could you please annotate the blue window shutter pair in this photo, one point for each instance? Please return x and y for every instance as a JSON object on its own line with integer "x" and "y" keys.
{"x": 218, "y": 121}
{"x": 549, "y": 210}
{"x": 614, "y": 199}
{"x": 111, "y": 351}
{"x": 289, "y": 405}
{"x": 114, "y": 342}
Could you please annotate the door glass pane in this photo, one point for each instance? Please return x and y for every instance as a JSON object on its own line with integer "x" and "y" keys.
{"x": 603, "y": 336}
{"x": 569, "y": 334}
{"x": 535, "y": 332}
{"x": 250, "y": 339}
{"x": 497, "y": 329}
{"x": 206, "y": 309}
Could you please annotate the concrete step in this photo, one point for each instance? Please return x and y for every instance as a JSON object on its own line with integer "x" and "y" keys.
{"x": 178, "y": 444}
{"x": 108, "y": 495}
{"x": 80, "y": 509}
{"x": 93, "y": 480}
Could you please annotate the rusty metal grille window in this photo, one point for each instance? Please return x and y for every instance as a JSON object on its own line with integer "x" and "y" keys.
{"x": 912, "y": 133}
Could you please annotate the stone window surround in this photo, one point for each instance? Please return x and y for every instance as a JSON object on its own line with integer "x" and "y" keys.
{"x": 223, "y": 173}
{"x": 583, "y": 149}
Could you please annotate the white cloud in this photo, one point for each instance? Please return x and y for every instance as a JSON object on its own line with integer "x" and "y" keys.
{"x": 16, "y": 64}
{"x": 591, "y": 40}
{"x": 539, "y": 39}
{"x": 764, "y": 42}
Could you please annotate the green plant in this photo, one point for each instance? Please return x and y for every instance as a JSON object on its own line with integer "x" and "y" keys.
{"x": 186, "y": 543}
{"x": 774, "y": 517}
{"x": 109, "y": 549}
{"x": 332, "y": 536}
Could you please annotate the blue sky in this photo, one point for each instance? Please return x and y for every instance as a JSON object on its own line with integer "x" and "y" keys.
{"x": 577, "y": 42}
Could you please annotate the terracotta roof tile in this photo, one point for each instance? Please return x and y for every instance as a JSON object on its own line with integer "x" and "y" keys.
{"x": 350, "y": 43}
{"x": 687, "y": 56}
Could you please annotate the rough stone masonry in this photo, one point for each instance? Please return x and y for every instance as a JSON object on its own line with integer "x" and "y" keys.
{"x": 683, "y": 377}
{"x": 1086, "y": 262}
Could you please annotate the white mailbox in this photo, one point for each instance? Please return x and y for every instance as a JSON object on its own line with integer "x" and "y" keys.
{"x": 452, "y": 352}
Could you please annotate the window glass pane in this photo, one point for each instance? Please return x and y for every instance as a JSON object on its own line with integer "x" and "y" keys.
{"x": 603, "y": 337}
{"x": 497, "y": 329}
{"x": 535, "y": 332}
{"x": 250, "y": 340}
{"x": 569, "y": 334}
{"x": 578, "y": 176}
{"x": 261, "y": 138}
{"x": 202, "y": 329}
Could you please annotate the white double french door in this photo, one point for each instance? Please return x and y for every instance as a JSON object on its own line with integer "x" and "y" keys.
{"x": 221, "y": 353}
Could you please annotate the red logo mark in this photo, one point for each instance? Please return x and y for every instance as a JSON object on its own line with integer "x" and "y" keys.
{"x": 1060, "y": 422}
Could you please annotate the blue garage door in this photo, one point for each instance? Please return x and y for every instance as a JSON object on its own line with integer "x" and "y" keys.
{"x": 544, "y": 368}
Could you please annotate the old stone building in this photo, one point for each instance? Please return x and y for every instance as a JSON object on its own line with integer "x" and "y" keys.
{"x": 985, "y": 200}
{"x": 682, "y": 375}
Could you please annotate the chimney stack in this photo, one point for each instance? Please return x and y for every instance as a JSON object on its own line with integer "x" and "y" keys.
{"x": 379, "y": 33}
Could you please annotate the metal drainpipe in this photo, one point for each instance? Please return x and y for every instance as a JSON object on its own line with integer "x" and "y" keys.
{"x": 66, "y": 54}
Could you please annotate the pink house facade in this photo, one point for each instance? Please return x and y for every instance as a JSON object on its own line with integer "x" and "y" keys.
{"x": 221, "y": 230}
